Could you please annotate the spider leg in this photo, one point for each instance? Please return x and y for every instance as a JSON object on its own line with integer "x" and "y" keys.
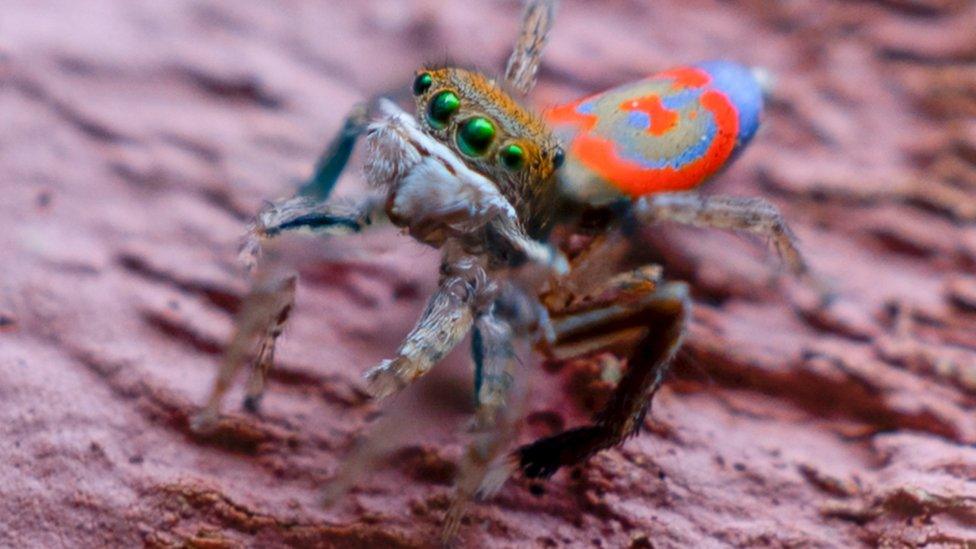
{"x": 307, "y": 209}
{"x": 522, "y": 65}
{"x": 282, "y": 302}
{"x": 646, "y": 316}
{"x": 301, "y": 213}
{"x": 464, "y": 288}
{"x": 336, "y": 156}
{"x": 265, "y": 309}
{"x": 493, "y": 426}
{"x": 753, "y": 215}
{"x": 494, "y": 357}
{"x": 262, "y": 316}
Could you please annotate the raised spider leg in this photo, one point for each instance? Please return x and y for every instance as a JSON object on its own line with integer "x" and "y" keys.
{"x": 524, "y": 61}
{"x": 753, "y": 215}
{"x": 307, "y": 209}
{"x": 651, "y": 320}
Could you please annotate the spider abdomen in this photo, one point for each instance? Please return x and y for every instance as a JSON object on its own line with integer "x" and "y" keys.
{"x": 670, "y": 132}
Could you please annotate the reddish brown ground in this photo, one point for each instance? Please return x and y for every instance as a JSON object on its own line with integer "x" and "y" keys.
{"x": 138, "y": 136}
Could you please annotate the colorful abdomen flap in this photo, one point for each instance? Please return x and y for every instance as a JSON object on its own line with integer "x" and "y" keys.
{"x": 669, "y": 132}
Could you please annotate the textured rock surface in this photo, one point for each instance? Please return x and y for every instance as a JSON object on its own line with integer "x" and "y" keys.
{"x": 137, "y": 137}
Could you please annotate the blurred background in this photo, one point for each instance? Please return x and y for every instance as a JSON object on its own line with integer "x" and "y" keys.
{"x": 139, "y": 137}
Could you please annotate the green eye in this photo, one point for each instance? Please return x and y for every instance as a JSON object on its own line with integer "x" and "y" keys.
{"x": 513, "y": 157}
{"x": 444, "y": 104}
{"x": 475, "y": 136}
{"x": 422, "y": 83}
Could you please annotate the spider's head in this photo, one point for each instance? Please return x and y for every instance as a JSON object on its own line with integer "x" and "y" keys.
{"x": 489, "y": 130}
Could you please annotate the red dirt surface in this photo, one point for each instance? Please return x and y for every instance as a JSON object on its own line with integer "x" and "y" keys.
{"x": 138, "y": 136}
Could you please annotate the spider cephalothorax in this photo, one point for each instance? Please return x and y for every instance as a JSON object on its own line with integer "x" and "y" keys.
{"x": 494, "y": 135}
{"x": 480, "y": 177}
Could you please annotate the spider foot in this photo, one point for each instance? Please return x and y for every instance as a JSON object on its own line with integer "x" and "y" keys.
{"x": 203, "y": 422}
{"x": 542, "y": 458}
{"x": 252, "y": 404}
{"x": 390, "y": 376}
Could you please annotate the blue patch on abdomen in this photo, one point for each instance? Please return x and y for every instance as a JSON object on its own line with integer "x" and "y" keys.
{"x": 739, "y": 84}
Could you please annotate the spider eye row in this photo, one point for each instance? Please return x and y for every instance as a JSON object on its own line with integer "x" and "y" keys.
{"x": 474, "y": 135}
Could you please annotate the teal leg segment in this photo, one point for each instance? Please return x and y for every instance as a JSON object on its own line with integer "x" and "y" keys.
{"x": 335, "y": 158}
{"x": 478, "y": 356}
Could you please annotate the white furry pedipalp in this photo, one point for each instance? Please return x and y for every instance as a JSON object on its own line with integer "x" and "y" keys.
{"x": 428, "y": 182}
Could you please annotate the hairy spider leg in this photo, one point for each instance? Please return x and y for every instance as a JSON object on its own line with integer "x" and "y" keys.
{"x": 493, "y": 354}
{"x": 303, "y": 214}
{"x": 463, "y": 292}
{"x": 537, "y": 21}
{"x": 266, "y": 308}
{"x": 644, "y": 320}
{"x": 261, "y": 318}
{"x": 465, "y": 300}
{"x": 739, "y": 214}
{"x": 283, "y": 299}
{"x": 730, "y": 213}
{"x": 494, "y": 424}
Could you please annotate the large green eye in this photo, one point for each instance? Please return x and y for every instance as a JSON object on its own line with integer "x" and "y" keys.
{"x": 475, "y": 135}
{"x": 513, "y": 157}
{"x": 444, "y": 104}
{"x": 422, "y": 83}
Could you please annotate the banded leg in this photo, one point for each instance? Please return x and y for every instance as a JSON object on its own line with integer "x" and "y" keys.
{"x": 464, "y": 289}
{"x": 265, "y": 309}
{"x": 263, "y": 316}
{"x": 651, "y": 323}
{"x": 753, "y": 215}
{"x": 493, "y": 351}
{"x": 304, "y": 214}
{"x": 524, "y": 61}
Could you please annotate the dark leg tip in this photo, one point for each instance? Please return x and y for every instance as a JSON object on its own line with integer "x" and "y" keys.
{"x": 542, "y": 458}
{"x": 252, "y": 404}
{"x": 540, "y": 470}
{"x": 537, "y": 460}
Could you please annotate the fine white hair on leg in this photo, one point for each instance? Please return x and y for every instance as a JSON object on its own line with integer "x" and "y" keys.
{"x": 522, "y": 65}
{"x": 464, "y": 291}
{"x": 746, "y": 214}
{"x": 306, "y": 215}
